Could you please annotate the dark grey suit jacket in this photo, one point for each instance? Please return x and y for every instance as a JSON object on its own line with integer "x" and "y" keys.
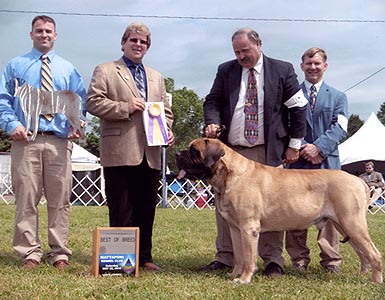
{"x": 280, "y": 123}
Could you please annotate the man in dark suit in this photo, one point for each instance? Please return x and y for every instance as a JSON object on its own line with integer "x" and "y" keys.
{"x": 131, "y": 166}
{"x": 280, "y": 125}
{"x": 327, "y": 123}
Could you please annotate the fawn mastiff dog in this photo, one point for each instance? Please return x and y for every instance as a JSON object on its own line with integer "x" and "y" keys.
{"x": 255, "y": 198}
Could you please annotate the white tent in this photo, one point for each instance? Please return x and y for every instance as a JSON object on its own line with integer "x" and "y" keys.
{"x": 82, "y": 160}
{"x": 87, "y": 174}
{"x": 368, "y": 143}
{"x": 81, "y": 155}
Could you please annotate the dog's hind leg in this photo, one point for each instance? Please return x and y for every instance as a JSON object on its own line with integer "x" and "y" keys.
{"x": 365, "y": 249}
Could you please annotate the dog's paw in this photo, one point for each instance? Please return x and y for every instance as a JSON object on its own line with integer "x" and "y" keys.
{"x": 240, "y": 281}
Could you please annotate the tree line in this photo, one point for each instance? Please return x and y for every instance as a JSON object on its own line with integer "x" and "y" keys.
{"x": 188, "y": 123}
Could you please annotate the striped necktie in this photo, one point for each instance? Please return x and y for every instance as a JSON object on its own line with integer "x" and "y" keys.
{"x": 46, "y": 80}
{"x": 312, "y": 97}
{"x": 251, "y": 109}
{"x": 140, "y": 81}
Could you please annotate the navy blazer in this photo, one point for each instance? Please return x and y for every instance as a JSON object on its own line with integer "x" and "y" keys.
{"x": 324, "y": 126}
{"x": 280, "y": 84}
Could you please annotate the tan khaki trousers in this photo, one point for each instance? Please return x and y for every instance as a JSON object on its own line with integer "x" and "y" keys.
{"x": 42, "y": 164}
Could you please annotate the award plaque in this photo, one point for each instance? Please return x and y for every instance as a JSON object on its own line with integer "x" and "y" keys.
{"x": 115, "y": 251}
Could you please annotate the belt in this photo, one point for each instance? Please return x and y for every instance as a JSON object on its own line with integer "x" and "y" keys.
{"x": 46, "y": 132}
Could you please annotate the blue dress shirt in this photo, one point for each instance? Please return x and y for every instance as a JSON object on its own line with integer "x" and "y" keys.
{"x": 131, "y": 66}
{"x": 27, "y": 68}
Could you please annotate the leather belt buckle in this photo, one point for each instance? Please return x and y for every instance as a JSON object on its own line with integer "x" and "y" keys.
{"x": 46, "y": 133}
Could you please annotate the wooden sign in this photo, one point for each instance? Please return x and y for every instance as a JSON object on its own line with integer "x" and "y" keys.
{"x": 115, "y": 251}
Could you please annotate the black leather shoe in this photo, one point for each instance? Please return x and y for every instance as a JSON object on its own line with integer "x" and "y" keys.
{"x": 299, "y": 267}
{"x": 273, "y": 270}
{"x": 332, "y": 269}
{"x": 214, "y": 266}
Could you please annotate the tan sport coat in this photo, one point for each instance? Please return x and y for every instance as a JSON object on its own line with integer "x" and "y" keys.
{"x": 122, "y": 136}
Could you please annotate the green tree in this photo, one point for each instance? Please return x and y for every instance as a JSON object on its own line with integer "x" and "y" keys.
{"x": 381, "y": 113}
{"x": 187, "y": 108}
{"x": 5, "y": 141}
{"x": 354, "y": 124}
{"x": 92, "y": 140}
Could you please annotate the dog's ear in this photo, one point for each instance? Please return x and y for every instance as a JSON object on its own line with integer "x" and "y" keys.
{"x": 213, "y": 152}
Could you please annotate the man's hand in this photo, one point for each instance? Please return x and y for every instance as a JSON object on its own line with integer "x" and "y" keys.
{"x": 311, "y": 153}
{"x": 170, "y": 137}
{"x": 291, "y": 156}
{"x": 78, "y": 133}
{"x": 136, "y": 104}
{"x": 19, "y": 134}
{"x": 212, "y": 131}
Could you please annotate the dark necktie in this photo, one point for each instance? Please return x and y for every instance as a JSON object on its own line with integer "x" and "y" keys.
{"x": 46, "y": 80}
{"x": 312, "y": 97}
{"x": 251, "y": 109}
{"x": 140, "y": 81}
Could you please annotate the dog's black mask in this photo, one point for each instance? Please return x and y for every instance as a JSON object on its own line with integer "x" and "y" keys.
{"x": 191, "y": 161}
{"x": 196, "y": 166}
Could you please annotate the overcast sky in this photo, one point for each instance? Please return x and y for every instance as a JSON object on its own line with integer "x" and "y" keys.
{"x": 191, "y": 38}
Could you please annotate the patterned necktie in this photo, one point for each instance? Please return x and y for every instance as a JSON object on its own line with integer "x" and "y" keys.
{"x": 46, "y": 80}
{"x": 140, "y": 81}
{"x": 312, "y": 97}
{"x": 251, "y": 109}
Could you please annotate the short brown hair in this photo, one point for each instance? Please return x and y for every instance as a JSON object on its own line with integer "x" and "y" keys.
{"x": 139, "y": 28}
{"x": 313, "y": 51}
{"x": 45, "y": 19}
{"x": 369, "y": 164}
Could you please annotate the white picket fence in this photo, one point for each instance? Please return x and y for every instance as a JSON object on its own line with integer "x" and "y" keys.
{"x": 88, "y": 191}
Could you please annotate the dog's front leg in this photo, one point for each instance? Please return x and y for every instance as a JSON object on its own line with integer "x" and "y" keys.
{"x": 249, "y": 237}
{"x": 237, "y": 251}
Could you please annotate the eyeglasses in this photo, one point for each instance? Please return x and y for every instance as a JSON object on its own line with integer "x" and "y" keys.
{"x": 135, "y": 41}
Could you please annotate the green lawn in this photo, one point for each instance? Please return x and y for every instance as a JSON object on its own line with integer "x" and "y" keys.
{"x": 183, "y": 241}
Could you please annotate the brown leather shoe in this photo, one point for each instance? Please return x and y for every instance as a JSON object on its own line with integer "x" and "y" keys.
{"x": 61, "y": 264}
{"x": 214, "y": 266}
{"x": 150, "y": 266}
{"x": 273, "y": 270}
{"x": 30, "y": 264}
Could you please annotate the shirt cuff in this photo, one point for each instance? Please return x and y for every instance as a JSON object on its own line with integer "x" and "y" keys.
{"x": 295, "y": 143}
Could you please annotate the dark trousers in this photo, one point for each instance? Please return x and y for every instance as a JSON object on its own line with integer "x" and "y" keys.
{"x": 131, "y": 198}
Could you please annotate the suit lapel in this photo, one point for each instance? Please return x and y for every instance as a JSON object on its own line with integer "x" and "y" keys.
{"x": 309, "y": 115}
{"x": 125, "y": 74}
{"x": 234, "y": 85}
{"x": 150, "y": 83}
{"x": 322, "y": 95}
{"x": 270, "y": 88}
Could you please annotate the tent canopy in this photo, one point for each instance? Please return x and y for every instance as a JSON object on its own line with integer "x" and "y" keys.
{"x": 82, "y": 160}
{"x": 81, "y": 155}
{"x": 368, "y": 143}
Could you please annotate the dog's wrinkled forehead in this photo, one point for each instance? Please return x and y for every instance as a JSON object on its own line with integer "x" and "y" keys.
{"x": 210, "y": 150}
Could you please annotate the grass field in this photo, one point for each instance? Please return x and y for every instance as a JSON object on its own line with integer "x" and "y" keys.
{"x": 183, "y": 241}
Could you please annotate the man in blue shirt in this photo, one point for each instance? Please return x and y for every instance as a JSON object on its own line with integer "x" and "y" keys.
{"x": 43, "y": 163}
